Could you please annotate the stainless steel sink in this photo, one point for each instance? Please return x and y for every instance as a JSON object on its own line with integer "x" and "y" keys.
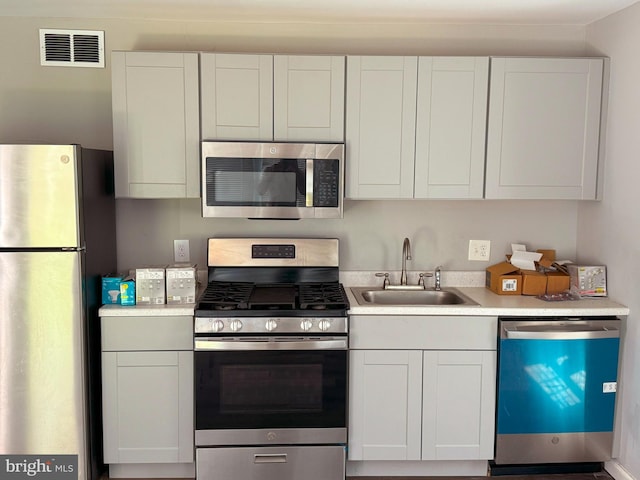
{"x": 379, "y": 296}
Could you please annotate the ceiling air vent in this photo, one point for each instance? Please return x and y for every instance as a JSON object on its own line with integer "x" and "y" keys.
{"x": 72, "y": 48}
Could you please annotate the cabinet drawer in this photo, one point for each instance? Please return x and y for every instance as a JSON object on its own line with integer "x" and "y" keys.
{"x": 421, "y": 332}
{"x": 147, "y": 333}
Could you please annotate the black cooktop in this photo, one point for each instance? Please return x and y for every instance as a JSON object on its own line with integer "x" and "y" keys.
{"x": 250, "y": 299}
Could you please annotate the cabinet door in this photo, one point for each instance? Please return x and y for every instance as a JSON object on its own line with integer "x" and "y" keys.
{"x": 236, "y": 96}
{"x": 458, "y": 405}
{"x": 148, "y": 407}
{"x": 384, "y": 404}
{"x": 543, "y": 130}
{"x": 380, "y": 126}
{"x": 156, "y": 134}
{"x": 451, "y": 126}
{"x": 308, "y": 98}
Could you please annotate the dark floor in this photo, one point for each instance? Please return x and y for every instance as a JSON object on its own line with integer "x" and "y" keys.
{"x": 556, "y": 476}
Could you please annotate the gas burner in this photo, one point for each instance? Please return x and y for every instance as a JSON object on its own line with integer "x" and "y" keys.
{"x": 320, "y": 296}
{"x": 226, "y": 295}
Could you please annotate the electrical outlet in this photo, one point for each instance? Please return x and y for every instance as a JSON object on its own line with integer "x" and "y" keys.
{"x": 181, "y": 251}
{"x": 479, "y": 250}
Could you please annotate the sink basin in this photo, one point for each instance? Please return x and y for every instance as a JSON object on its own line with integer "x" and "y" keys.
{"x": 378, "y": 296}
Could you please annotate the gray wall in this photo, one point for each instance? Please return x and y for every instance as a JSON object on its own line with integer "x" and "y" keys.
{"x": 608, "y": 231}
{"x": 72, "y": 105}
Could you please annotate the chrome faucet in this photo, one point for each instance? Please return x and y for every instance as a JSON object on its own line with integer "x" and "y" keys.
{"x": 438, "y": 274}
{"x": 406, "y": 255}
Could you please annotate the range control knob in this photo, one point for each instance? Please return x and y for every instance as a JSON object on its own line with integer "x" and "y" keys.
{"x": 324, "y": 324}
{"x": 306, "y": 325}
{"x": 236, "y": 325}
{"x": 217, "y": 325}
{"x": 271, "y": 324}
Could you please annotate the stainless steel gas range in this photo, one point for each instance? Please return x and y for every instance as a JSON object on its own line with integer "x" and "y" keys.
{"x": 270, "y": 336}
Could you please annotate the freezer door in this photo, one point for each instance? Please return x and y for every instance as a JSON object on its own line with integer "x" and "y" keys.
{"x": 39, "y": 194}
{"x": 42, "y": 358}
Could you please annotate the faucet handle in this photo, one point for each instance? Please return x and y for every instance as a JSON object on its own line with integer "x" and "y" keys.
{"x": 422, "y": 275}
{"x": 385, "y": 282}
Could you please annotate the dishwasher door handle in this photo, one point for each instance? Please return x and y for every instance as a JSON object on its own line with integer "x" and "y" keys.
{"x": 560, "y": 334}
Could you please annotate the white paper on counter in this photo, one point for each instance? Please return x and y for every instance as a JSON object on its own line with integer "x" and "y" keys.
{"x": 525, "y": 260}
{"x": 518, "y": 247}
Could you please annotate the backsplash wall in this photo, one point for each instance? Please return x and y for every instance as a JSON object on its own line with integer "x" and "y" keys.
{"x": 371, "y": 232}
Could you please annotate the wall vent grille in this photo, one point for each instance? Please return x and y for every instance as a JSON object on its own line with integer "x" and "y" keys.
{"x": 71, "y": 48}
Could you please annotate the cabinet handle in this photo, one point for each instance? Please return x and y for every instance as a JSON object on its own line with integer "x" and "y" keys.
{"x": 270, "y": 458}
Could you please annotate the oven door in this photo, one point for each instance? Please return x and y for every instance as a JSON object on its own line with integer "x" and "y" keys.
{"x": 270, "y": 391}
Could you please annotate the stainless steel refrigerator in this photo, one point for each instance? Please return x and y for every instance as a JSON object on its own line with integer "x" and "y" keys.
{"x": 57, "y": 238}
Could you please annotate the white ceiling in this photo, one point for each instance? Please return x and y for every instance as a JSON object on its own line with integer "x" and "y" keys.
{"x": 550, "y": 12}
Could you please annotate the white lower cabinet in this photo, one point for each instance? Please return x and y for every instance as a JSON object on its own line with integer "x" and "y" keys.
{"x": 148, "y": 393}
{"x": 407, "y": 402}
{"x": 458, "y": 401}
{"x": 421, "y": 405}
{"x": 147, "y": 390}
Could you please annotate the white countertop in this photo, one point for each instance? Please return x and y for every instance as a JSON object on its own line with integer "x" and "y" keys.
{"x": 490, "y": 304}
{"x": 147, "y": 310}
{"x": 470, "y": 284}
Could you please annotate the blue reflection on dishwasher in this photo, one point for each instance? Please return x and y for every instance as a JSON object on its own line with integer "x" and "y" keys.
{"x": 556, "y": 386}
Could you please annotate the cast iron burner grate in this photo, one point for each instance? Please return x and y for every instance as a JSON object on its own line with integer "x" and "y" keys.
{"x": 321, "y": 296}
{"x": 225, "y": 296}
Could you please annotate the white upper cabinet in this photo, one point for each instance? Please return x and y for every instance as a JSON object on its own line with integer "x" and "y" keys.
{"x": 380, "y": 126}
{"x": 156, "y": 136}
{"x": 308, "y": 98}
{"x": 416, "y": 126}
{"x": 451, "y": 127}
{"x": 544, "y": 128}
{"x": 267, "y": 97}
{"x": 236, "y": 96}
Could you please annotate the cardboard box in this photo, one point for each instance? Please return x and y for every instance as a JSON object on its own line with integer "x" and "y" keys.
{"x": 504, "y": 279}
{"x": 127, "y": 292}
{"x": 181, "y": 283}
{"x": 588, "y": 280}
{"x": 548, "y": 254}
{"x": 533, "y": 283}
{"x": 557, "y": 282}
{"x": 150, "y": 286}
{"x": 111, "y": 289}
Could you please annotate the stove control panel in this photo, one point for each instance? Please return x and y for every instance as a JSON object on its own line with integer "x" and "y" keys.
{"x": 254, "y": 325}
{"x": 273, "y": 251}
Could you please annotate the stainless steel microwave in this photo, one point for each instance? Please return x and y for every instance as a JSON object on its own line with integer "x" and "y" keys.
{"x": 272, "y": 180}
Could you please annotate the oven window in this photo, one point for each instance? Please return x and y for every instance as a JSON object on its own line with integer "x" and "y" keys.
{"x": 284, "y": 389}
{"x": 255, "y": 182}
{"x": 270, "y": 389}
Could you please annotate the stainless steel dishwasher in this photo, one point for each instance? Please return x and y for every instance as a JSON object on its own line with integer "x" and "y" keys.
{"x": 556, "y": 389}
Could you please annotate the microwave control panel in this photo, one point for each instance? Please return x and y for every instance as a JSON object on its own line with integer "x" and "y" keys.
{"x": 326, "y": 180}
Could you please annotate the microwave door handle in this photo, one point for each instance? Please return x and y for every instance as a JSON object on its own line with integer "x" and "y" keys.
{"x": 309, "y": 186}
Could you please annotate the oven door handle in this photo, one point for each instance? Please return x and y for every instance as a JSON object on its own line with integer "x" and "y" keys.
{"x": 201, "y": 344}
